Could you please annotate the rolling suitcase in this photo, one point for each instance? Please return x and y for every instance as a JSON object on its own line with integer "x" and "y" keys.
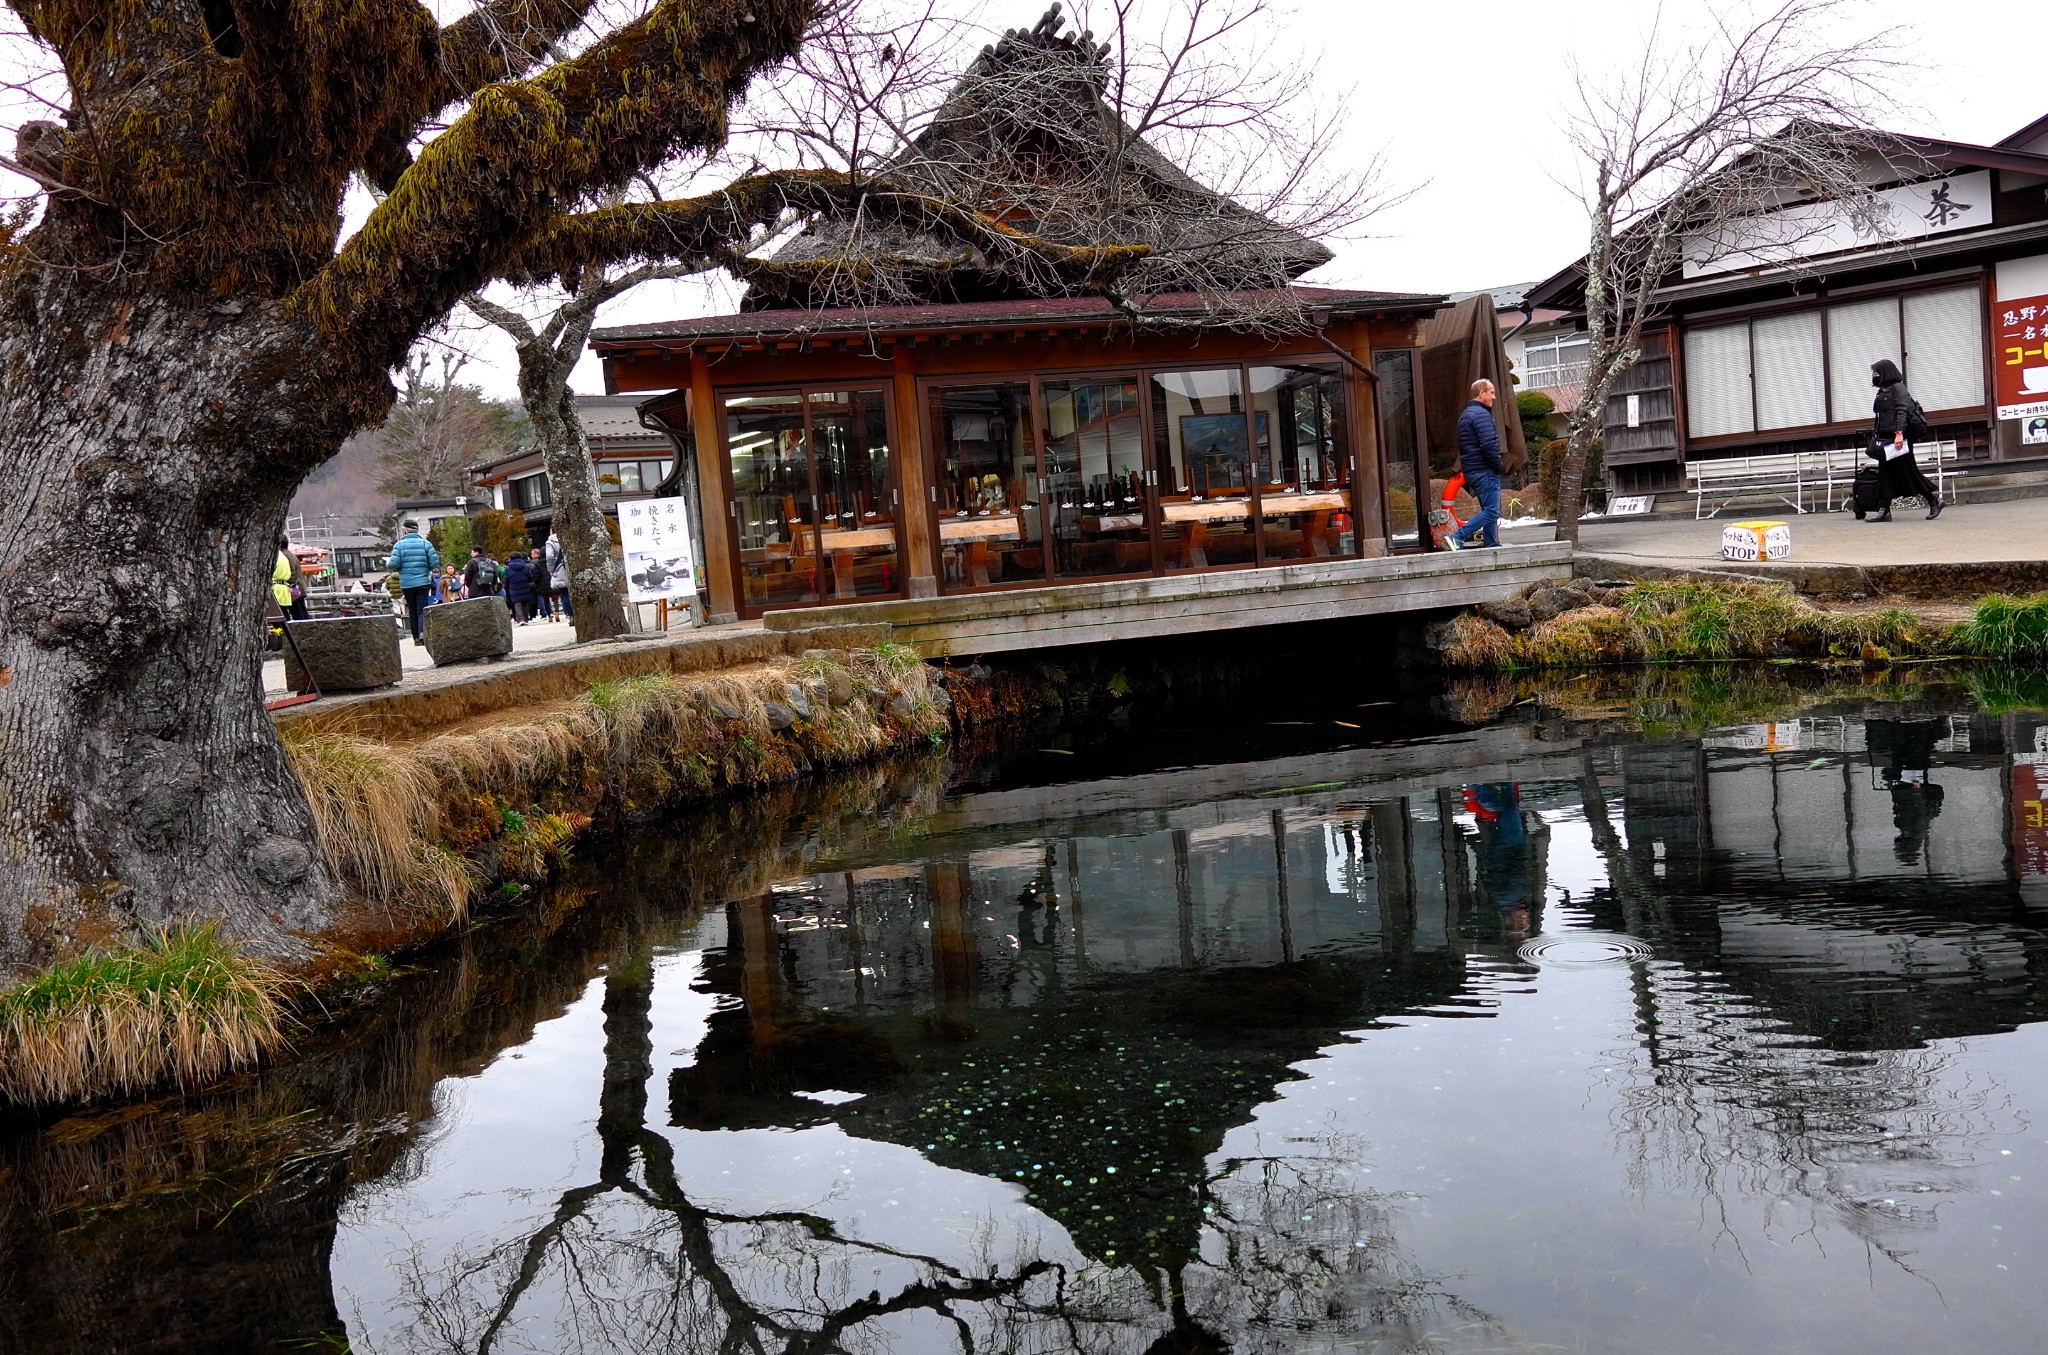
{"x": 1864, "y": 495}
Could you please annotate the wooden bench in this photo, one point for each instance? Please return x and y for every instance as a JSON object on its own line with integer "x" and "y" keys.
{"x": 1835, "y": 471}
{"x": 1805, "y": 481}
{"x": 1728, "y": 478}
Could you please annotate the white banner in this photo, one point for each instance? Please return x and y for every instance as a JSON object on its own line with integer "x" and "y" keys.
{"x": 656, "y": 536}
{"x": 1909, "y": 212}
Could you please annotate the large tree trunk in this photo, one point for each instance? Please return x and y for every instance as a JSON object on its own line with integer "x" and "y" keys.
{"x": 149, "y": 451}
{"x": 594, "y": 572}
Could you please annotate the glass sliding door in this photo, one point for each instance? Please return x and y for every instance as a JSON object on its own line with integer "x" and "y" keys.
{"x": 813, "y": 497}
{"x": 1400, "y": 436}
{"x": 857, "y": 508}
{"x": 990, "y": 530}
{"x": 1202, "y": 460}
{"x": 1302, "y": 453}
{"x": 772, "y": 500}
{"x": 1097, "y": 516}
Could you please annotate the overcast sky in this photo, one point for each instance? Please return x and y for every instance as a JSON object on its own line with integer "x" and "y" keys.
{"x": 1466, "y": 101}
{"x": 1467, "y": 98}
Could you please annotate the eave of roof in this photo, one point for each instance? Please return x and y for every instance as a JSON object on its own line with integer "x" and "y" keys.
{"x": 1941, "y": 153}
{"x": 885, "y": 323}
{"x": 1937, "y": 247}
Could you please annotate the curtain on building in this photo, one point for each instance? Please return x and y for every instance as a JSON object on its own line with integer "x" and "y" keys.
{"x": 1945, "y": 347}
{"x": 1791, "y": 385}
{"x": 1717, "y": 398}
{"x": 1859, "y": 334}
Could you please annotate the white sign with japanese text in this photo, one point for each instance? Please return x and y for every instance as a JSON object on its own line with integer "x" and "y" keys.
{"x": 656, "y": 536}
{"x": 1959, "y": 202}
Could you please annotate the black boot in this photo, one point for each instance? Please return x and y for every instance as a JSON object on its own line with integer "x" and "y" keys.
{"x": 1935, "y": 511}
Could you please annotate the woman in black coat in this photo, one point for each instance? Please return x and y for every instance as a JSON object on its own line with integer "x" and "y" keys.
{"x": 1898, "y": 474}
{"x": 519, "y": 586}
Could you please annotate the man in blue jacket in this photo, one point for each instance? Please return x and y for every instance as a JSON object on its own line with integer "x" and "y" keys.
{"x": 415, "y": 559}
{"x": 1479, "y": 459}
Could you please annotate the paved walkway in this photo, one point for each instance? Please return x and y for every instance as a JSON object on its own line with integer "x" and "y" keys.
{"x": 1964, "y": 534}
{"x": 534, "y": 638}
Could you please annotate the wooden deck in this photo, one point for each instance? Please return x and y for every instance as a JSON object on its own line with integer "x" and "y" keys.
{"x": 1000, "y": 622}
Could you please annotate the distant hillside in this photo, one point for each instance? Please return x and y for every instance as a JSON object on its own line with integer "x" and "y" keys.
{"x": 347, "y": 488}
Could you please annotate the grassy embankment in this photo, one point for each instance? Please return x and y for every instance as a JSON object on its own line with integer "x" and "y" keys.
{"x": 1694, "y": 622}
{"x": 417, "y": 833}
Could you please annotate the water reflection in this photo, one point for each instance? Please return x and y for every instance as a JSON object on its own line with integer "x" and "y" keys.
{"x": 1509, "y": 1038}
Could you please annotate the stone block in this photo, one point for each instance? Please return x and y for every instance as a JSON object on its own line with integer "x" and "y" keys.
{"x": 1548, "y": 600}
{"x": 1509, "y": 614}
{"x": 457, "y": 632}
{"x": 344, "y": 654}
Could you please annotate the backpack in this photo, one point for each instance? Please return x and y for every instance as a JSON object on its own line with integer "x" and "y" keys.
{"x": 1912, "y": 418}
{"x": 1917, "y": 427}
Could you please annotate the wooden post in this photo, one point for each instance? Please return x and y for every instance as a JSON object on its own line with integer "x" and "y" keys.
{"x": 1370, "y": 523}
{"x": 914, "y": 517}
{"x": 715, "y": 511}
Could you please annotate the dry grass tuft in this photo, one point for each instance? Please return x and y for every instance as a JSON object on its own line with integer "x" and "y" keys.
{"x": 1580, "y": 638}
{"x": 1473, "y": 644}
{"x": 184, "y": 1006}
{"x": 377, "y": 816}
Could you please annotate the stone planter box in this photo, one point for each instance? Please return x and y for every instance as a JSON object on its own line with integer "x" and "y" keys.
{"x": 460, "y": 632}
{"x": 343, "y": 654}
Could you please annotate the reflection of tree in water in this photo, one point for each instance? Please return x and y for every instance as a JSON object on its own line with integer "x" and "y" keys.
{"x": 1744, "y": 1085}
{"x": 631, "y": 1261}
{"x": 205, "y": 1223}
{"x": 1721, "y": 1098}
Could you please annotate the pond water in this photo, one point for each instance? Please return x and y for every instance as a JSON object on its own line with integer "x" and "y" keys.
{"x": 1605, "y": 1024}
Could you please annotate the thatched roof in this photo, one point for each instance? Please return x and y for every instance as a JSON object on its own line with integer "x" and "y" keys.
{"x": 1027, "y": 135}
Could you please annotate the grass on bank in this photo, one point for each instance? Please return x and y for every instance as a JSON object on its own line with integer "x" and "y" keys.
{"x": 1660, "y": 621}
{"x": 183, "y": 1006}
{"x": 414, "y": 830}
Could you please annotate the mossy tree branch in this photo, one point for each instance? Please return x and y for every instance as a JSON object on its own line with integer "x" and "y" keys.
{"x": 715, "y": 226}
{"x": 526, "y": 149}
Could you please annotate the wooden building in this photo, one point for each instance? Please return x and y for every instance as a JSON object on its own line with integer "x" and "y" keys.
{"x": 988, "y": 433}
{"x": 1765, "y": 337}
{"x": 633, "y": 462}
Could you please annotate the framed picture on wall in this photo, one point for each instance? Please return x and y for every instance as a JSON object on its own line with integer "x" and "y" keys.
{"x": 1217, "y": 441}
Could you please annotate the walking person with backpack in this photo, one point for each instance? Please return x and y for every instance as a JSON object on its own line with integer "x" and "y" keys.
{"x": 1900, "y": 422}
{"x": 480, "y": 575}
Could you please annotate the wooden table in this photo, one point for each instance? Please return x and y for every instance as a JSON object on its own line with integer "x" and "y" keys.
{"x": 1273, "y": 505}
{"x": 994, "y": 527}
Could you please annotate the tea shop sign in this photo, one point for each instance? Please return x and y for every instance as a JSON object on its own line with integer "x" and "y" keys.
{"x": 2019, "y": 357}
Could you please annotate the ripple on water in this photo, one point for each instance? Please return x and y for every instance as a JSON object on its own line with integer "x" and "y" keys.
{"x": 1584, "y": 950}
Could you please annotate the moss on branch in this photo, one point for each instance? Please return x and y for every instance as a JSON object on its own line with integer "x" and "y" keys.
{"x": 483, "y": 190}
{"x": 715, "y": 227}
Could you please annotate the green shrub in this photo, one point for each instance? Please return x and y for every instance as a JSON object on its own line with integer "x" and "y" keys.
{"x": 1534, "y": 408}
{"x": 2004, "y": 627}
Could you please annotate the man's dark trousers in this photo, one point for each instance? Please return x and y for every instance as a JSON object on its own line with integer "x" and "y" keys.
{"x": 416, "y": 607}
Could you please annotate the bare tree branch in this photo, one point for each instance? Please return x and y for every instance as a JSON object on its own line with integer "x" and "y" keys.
{"x": 1696, "y": 146}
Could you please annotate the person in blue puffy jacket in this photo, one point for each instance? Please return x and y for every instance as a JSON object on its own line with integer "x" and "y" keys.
{"x": 415, "y": 559}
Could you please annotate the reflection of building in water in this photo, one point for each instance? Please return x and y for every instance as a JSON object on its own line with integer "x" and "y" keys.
{"x": 1828, "y": 899}
{"x": 1045, "y": 1009}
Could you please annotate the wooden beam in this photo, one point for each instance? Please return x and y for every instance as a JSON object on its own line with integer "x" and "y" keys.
{"x": 720, "y": 549}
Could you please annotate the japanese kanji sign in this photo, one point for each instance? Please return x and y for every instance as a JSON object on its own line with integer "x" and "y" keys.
{"x": 656, "y": 536}
{"x": 2019, "y": 356}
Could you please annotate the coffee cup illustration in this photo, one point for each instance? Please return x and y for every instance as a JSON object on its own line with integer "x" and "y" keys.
{"x": 2035, "y": 380}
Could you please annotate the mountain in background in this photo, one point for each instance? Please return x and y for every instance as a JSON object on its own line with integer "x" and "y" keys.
{"x": 346, "y": 488}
